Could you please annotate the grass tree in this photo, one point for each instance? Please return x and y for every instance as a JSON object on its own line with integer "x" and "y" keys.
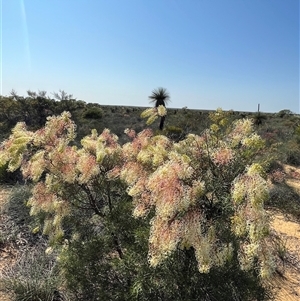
{"x": 160, "y": 97}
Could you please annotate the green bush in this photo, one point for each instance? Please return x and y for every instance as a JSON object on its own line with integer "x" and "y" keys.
{"x": 297, "y": 134}
{"x": 90, "y": 276}
{"x": 292, "y": 153}
{"x": 175, "y": 133}
{"x": 93, "y": 113}
{"x": 283, "y": 113}
{"x": 259, "y": 118}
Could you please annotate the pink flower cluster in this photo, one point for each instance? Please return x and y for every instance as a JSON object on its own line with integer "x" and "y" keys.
{"x": 223, "y": 156}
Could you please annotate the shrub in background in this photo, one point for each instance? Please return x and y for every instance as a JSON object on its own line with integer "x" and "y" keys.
{"x": 297, "y": 134}
{"x": 290, "y": 153}
{"x": 93, "y": 113}
{"x": 284, "y": 113}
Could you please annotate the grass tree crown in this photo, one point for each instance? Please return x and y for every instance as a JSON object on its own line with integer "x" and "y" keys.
{"x": 160, "y": 96}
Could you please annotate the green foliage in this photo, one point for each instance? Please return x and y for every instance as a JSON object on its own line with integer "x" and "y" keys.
{"x": 91, "y": 262}
{"x": 259, "y": 118}
{"x": 297, "y": 134}
{"x": 284, "y": 113}
{"x": 174, "y": 133}
{"x": 93, "y": 113}
{"x": 11, "y": 112}
{"x": 293, "y": 155}
{"x": 34, "y": 108}
{"x": 297, "y": 131}
{"x": 290, "y": 153}
{"x": 235, "y": 285}
{"x": 89, "y": 276}
{"x": 94, "y": 271}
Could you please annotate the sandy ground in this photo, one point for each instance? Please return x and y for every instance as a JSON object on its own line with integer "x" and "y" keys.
{"x": 287, "y": 285}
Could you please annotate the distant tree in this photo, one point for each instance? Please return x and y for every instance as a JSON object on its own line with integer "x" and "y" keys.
{"x": 24, "y": 113}
{"x": 160, "y": 97}
{"x": 33, "y": 94}
{"x": 62, "y": 95}
{"x": 35, "y": 107}
{"x": 10, "y": 112}
{"x": 67, "y": 101}
{"x": 14, "y": 93}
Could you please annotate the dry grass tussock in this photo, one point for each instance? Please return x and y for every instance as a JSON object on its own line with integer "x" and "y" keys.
{"x": 7, "y": 252}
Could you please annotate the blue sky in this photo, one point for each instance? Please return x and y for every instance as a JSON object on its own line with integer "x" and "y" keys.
{"x": 231, "y": 54}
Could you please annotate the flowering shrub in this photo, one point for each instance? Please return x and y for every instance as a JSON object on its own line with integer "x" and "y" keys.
{"x": 153, "y": 113}
{"x": 64, "y": 175}
{"x": 204, "y": 193}
{"x": 194, "y": 187}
